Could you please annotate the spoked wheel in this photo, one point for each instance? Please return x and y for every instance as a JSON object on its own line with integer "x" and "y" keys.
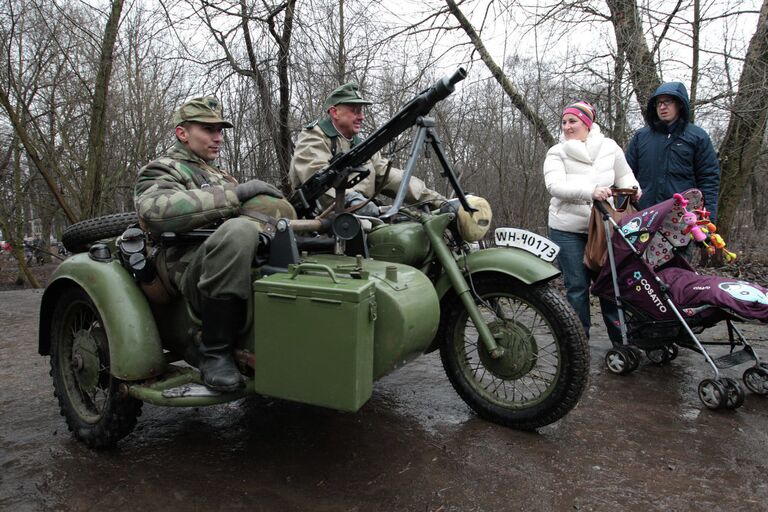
{"x": 621, "y": 360}
{"x": 89, "y": 399}
{"x": 713, "y": 394}
{"x": 544, "y": 368}
{"x": 756, "y": 379}
{"x": 734, "y": 393}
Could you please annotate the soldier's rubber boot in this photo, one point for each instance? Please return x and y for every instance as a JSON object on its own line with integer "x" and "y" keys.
{"x": 222, "y": 319}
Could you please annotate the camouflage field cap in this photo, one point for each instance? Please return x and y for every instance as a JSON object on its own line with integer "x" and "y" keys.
{"x": 347, "y": 93}
{"x": 201, "y": 110}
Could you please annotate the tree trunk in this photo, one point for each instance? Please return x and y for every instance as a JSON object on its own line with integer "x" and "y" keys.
{"x": 277, "y": 127}
{"x": 33, "y": 154}
{"x": 95, "y": 163}
{"x": 285, "y": 147}
{"x": 13, "y": 227}
{"x": 743, "y": 139}
{"x": 518, "y": 100}
{"x": 341, "y": 68}
{"x": 695, "y": 59}
{"x": 631, "y": 43}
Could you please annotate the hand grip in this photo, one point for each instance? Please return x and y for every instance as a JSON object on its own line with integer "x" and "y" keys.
{"x": 304, "y": 267}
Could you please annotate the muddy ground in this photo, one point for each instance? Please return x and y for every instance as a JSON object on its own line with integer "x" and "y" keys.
{"x": 641, "y": 442}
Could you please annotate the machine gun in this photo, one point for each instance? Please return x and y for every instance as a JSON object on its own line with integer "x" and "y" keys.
{"x": 345, "y": 170}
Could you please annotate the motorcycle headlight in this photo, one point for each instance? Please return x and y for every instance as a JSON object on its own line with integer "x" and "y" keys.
{"x": 473, "y": 226}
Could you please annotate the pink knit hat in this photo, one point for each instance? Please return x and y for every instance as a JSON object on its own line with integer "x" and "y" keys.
{"x": 584, "y": 111}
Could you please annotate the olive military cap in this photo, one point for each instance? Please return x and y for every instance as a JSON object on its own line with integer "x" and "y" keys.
{"x": 201, "y": 110}
{"x": 347, "y": 93}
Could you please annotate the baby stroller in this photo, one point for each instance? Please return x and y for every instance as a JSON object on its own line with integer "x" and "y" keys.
{"x": 663, "y": 303}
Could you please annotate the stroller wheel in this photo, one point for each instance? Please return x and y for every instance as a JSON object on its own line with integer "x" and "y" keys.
{"x": 658, "y": 355}
{"x": 734, "y": 393}
{"x": 756, "y": 379}
{"x": 619, "y": 361}
{"x": 672, "y": 352}
{"x": 712, "y": 393}
{"x": 634, "y": 358}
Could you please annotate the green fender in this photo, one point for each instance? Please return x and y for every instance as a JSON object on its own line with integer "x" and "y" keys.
{"x": 516, "y": 263}
{"x": 135, "y": 348}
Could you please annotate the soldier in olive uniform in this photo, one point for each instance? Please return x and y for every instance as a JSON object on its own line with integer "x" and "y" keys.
{"x": 185, "y": 190}
{"x": 339, "y": 132}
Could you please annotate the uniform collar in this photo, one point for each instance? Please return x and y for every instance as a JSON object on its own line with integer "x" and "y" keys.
{"x": 181, "y": 152}
{"x": 330, "y": 131}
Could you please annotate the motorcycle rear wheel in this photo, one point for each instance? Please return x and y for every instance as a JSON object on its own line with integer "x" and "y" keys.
{"x": 89, "y": 397}
{"x": 545, "y": 367}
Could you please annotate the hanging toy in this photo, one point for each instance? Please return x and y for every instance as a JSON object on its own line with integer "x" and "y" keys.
{"x": 718, "y": 242}
{"x": 691, "y": 220}
{"x": 702, "y": 230}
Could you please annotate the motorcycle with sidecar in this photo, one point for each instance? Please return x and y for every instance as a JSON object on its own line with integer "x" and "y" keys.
{"x": 339, "y": 301}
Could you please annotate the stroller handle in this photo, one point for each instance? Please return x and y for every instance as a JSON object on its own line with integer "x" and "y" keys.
{"x": 620, "y": 193}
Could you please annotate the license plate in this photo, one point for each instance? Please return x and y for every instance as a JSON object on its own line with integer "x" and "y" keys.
{"x": 538, "y": 245}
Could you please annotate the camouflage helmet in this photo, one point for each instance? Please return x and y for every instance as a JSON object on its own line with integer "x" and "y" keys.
{"x": 347, "y": 93}
{"x": 205, "y": 110}
{"x": 275, "y": 207}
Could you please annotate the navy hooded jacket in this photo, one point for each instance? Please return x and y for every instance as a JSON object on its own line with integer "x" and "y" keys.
{"x": 665, "y": 163}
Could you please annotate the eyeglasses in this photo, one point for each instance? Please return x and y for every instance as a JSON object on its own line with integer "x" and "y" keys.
{"x": 355, "y": 109}
{"x": 665, "y": 103}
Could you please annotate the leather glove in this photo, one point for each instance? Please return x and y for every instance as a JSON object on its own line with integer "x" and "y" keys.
{"x": 252, "y": 188}
{"x": 369, "y": 210}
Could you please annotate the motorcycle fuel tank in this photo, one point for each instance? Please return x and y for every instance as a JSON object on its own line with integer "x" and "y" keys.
{"x": 405, "y": 243}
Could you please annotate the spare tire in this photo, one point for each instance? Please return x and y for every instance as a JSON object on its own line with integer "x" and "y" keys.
{"x": 80, "y": 235}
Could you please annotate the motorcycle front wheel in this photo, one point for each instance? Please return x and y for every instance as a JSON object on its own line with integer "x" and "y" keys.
{"x": 544, "y": 368}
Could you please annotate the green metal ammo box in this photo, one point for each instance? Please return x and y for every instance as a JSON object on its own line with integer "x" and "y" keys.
{"x": 313, "y": 329}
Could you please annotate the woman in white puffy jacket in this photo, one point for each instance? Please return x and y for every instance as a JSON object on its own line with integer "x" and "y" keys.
{"x": 577, "y": 171}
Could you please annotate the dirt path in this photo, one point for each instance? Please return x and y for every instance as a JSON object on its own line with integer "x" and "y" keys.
{"x": 637, "y": 443}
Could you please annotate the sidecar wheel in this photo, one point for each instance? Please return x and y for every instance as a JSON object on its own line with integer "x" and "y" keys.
{"x": 80, "y": 235}
{"x": 89, "y": 398}
{"x": 545, "y": 365}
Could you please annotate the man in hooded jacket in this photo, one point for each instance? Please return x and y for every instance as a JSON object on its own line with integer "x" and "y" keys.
{"x": 671, "y": 154}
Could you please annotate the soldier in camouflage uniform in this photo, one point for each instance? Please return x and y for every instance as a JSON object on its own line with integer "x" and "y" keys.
{"x": 185, "y": 190}
{"x": 339, "y": 132}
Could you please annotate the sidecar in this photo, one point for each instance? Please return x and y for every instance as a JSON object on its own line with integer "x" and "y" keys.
{"x": 328, "y": 327}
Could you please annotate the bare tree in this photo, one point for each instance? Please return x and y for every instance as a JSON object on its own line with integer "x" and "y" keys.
{"x": 258, "y": 24}
{"x": 741, "y": 146}
{"x": 509, "y": 88}
{"x": 92, "y": 192}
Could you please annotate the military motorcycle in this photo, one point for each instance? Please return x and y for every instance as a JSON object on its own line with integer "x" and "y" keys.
{"x": 339, "y": 301}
